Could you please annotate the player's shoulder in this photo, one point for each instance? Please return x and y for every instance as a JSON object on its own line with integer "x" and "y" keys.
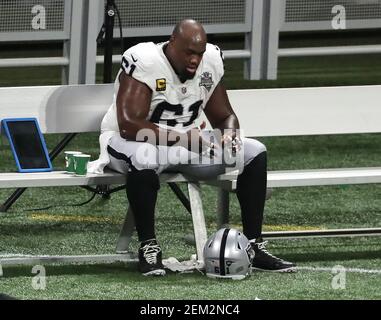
{"x": 213, "y": 60}
{"x": 144, "y": 53}
{"x": 213, "y": 53}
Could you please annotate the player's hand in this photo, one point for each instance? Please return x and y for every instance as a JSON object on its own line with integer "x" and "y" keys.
{"x": 231, "y": 140}
{"x": 202, "y": 126}
{"x": 205, "y": 148}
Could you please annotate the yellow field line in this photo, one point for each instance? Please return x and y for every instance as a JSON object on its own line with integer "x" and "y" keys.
{"x": 290, "y": 227}
{"x": 73, "y": 218}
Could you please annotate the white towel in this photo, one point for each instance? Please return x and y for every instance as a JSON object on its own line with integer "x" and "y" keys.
{"x": 97, "y": 166}
{"x": 184, "y": 266}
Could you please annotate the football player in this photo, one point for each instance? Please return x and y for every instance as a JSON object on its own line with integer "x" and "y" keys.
{"x": 160, "y": 92}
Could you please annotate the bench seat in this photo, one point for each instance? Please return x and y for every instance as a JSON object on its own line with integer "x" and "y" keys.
{"x": 318, "y": 177}
{"x": 276, "y": 179}
{"x": 57, "y": 178}
{"x": 61, "y": 178}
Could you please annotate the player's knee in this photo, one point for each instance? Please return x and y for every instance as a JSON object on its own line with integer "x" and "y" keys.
{"x": 146, "y": 157}
{"x": 253, "y": 148}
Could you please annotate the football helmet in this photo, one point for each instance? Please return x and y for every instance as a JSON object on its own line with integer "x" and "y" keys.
{"x": 228, "y": 254}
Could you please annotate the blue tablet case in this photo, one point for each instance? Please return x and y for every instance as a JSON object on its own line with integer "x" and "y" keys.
{"x": 27, "y": 144}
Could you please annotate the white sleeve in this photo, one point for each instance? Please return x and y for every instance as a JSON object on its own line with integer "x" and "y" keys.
{"x": 216, "y": 63}
{"x": 219, "y": 63}
{"x": 138, "y": 65}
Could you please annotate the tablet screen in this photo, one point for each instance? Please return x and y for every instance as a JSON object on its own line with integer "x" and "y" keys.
{"x": 28, "y": 145}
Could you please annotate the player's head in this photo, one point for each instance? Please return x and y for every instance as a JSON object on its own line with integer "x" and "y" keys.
{"x": 186, "y": 47}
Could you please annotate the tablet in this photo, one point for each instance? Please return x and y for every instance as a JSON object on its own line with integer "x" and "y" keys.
{"x": 27, "y": 144}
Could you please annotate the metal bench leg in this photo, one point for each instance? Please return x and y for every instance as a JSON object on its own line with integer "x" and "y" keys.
{"x": 198, "y": 219}
{"x": 12, "y": 199}
{"x": 126, "y": 233}
{"x": 222, "y": 208}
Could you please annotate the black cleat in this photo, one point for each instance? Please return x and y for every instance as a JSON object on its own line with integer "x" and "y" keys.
{"x": 265, "y": 261}
{"x": 150, "y": 259}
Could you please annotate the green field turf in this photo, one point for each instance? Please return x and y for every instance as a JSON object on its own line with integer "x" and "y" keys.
{"x": 94, "y": 228}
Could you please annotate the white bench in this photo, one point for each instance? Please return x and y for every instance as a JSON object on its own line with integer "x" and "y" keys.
{"x": 79, "y": 109}
{"x": 310, "y": 111}
{"x": 265, "y": 112}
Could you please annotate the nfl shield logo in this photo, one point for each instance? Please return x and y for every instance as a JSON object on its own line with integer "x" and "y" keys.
{"x": 183, "y": 90}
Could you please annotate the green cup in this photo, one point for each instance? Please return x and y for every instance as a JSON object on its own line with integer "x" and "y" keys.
{"x": 69, "y": 160}
{"x": 80, "y": 164}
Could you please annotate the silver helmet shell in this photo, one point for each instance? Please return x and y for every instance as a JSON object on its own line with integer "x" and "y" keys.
{"x": 228, "y": 254}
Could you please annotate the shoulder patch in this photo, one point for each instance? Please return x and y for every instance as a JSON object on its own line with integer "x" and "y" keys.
{"x": 161, "y": 84}
{"x": 206, "y": 80}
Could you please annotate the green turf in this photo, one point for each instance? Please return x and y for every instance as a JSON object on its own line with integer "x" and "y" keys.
{"x": 94, "y": 228}
{"x": 118, "y": 281}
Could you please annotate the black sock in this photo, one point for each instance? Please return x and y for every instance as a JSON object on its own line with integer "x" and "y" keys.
{"x": 142, "y": 188}
{"x": 251, "y": 194}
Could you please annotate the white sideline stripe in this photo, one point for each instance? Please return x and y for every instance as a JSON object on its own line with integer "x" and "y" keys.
{"x": 22, "y": 259}
{"x": 25, "y": 258}
{"x": 15, "y": 255}
{"x": 18, "y": 255}
{"x": 355, "y": 270}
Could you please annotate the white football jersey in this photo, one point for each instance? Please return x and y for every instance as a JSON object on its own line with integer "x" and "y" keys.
{"x": 174, "y": 104}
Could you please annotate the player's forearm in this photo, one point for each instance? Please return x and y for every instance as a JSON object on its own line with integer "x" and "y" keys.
{"x": 142, "y": 130}
{"x": 130, "y": 129}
